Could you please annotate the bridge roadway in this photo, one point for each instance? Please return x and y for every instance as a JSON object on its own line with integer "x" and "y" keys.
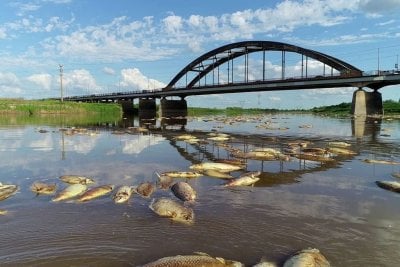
{"x": 319, "y": 82}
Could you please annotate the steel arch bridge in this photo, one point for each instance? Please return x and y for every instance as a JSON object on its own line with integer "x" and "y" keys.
{"x": 210, "y": 62}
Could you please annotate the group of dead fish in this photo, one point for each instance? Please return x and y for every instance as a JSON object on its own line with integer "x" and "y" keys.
{"x": 177, "y": 211}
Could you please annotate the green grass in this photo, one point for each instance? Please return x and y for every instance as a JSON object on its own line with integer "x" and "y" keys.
{"x": 36, "y": 107}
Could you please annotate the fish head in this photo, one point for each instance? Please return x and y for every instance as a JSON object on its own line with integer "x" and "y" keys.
{"x": 88, "y": 181}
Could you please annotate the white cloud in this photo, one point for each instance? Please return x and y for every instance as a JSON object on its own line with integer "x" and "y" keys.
{"x": 43, "y": 80}
{"x": 80, "y": 80}
{"x": 9, "y": 84}
{"x": 108, "y": 70}
{"x": 134, "y": 78}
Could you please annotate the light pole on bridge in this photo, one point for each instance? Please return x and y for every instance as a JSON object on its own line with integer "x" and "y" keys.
{"x": 61, "y": 81}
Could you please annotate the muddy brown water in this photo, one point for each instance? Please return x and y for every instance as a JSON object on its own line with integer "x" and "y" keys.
{"x": 334, "y": 206}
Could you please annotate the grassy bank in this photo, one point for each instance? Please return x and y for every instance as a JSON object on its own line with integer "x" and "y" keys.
{"x": 390, "y": 107}
{"x": 41, "y": 107}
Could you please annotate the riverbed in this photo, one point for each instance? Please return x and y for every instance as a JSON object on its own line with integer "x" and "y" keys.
{"x": 334, "y": 206}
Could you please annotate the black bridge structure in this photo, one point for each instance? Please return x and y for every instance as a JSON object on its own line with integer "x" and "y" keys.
{"x": 246, "y": 67}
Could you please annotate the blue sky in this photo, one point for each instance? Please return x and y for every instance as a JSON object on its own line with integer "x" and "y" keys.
{"x": 125, "y": 45}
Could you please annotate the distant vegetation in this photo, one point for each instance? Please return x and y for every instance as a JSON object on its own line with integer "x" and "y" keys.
{"x": 343, "y": 109}
{"x": 40, "y": 107}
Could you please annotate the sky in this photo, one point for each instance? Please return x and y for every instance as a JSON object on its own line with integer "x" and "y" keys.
{"x": 126, "y": 45}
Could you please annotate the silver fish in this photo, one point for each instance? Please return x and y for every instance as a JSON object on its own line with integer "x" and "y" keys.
{"x": 310, "y": 257}
{"x": 184, "y": 191}
{"x": 70, "y": 191}
{"x": 123, "y": 194}
{"x": 166, "y": 207}
{"x": 76, "y": 179}
{"x": 193, "y": 261}
{"x": 246, "y": 179}
{"x": 389, "y": 185}
{"x": 7, "y": 190}
{"x": 96, "y": 192}
{"x": 222, "y": 167}
{"x": 180, "y": 174}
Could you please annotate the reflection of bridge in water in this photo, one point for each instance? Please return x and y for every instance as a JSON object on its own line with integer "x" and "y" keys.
{"x": 248, "y": 67}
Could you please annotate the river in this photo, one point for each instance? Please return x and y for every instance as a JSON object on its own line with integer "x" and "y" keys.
{"x": 334, "y": 206}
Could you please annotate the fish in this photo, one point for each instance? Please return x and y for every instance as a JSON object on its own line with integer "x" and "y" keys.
{"x": 7, "y": 190}
{"x": 123, "y": 194}
{"x": 339, "y": 144}
{"x": 178, "y": 174}
{"x": 396, "y": 174}
{"x": 3, "y": 212}
{"x": 222, "y": 167}
{"x": 389, "y": 185}
{"x": 145, "y": 189}
{"x": 390, "y": 162}
{"x": 76, "y": 179}
{"x": 185, "y": 137}
{"x": 315, "y": 151}
{"x": 184, "y": 191}
{"x": 310, "y": 257}
{"x": 70, "y": 191}
{"x": 339, "y": 150}
{"x": 217, "y": 174}
{"x": 43, "y": 188}
{"x": 96, "y": 192}
{"x": 164, "y": 181}
{"x": 193, "y": 261}
{"x": 249, "y": 178}
{"x": 218, "y": 138}
{"x": 313, "y": 157}
{"x": 238, "y": 162}
{"x": 166, "y": 207}
{"x": 265, "y": 263}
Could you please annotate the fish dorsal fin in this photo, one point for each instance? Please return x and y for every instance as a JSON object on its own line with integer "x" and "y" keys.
{"x": 222, "y": 260}
{"x": 201, "y": 253}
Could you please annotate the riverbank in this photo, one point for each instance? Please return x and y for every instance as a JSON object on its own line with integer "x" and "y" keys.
{"x": 53, "y": 107}
{"x": 390, "y": 107}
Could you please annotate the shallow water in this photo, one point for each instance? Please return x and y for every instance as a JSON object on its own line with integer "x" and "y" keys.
{"x": 335, "y": 206}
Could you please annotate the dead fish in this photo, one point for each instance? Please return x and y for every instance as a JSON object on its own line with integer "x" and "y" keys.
{"x": 7, "y": 190}
{"x": 339, "y": 150}
{"x": 184, "y": 191}
{"x": 96, "y": 192}
{"x": 238, "y": 162}
{"x": 193, "y": 261}
{"x": 166, "y": 207}
{"x": 145, "y": 189}
{"x": 265, "y": 263}
{"x": 219, "y": 138}
{"x": 389, "y": 185}
{"x": 177, "y": 174}
{"x": 381, "y": 161}
{"x": 185, "y": 137}
{"x": 313, "y": 157}
{"x": 70, "y": 191}
{"x": 76, "y": 179}
{"x": 43, "y": 188}
{"x": 164, "y": 181}
{"x": 222, "y": 167}
{"x": 246, "y": 179}
{"x": 217, "y": 174}
{"x": 339, "y": 144}
{"x": 3, "y": 212}
{"x": 123, "y": 194}
{"x": 315, "y": 150}
{"x": 310, "y": 257}
{"x": 396, "y": 174}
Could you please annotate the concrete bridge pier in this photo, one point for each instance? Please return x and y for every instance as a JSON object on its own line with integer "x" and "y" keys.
{"x": 127, "y": 106}
{"x": 173, "y": 108}
{"x": 147, "y": 108}
{"x": 366, "y": 103}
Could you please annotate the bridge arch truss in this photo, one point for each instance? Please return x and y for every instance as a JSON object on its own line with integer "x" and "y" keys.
{"x": 209, "y": 63}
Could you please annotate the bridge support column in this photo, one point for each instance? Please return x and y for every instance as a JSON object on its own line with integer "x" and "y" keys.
{"x": 147, "y": 108}
{"x": 127, "y": 106}
{"x": 173, "y": 108}
{"x": 366, "y": 103}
